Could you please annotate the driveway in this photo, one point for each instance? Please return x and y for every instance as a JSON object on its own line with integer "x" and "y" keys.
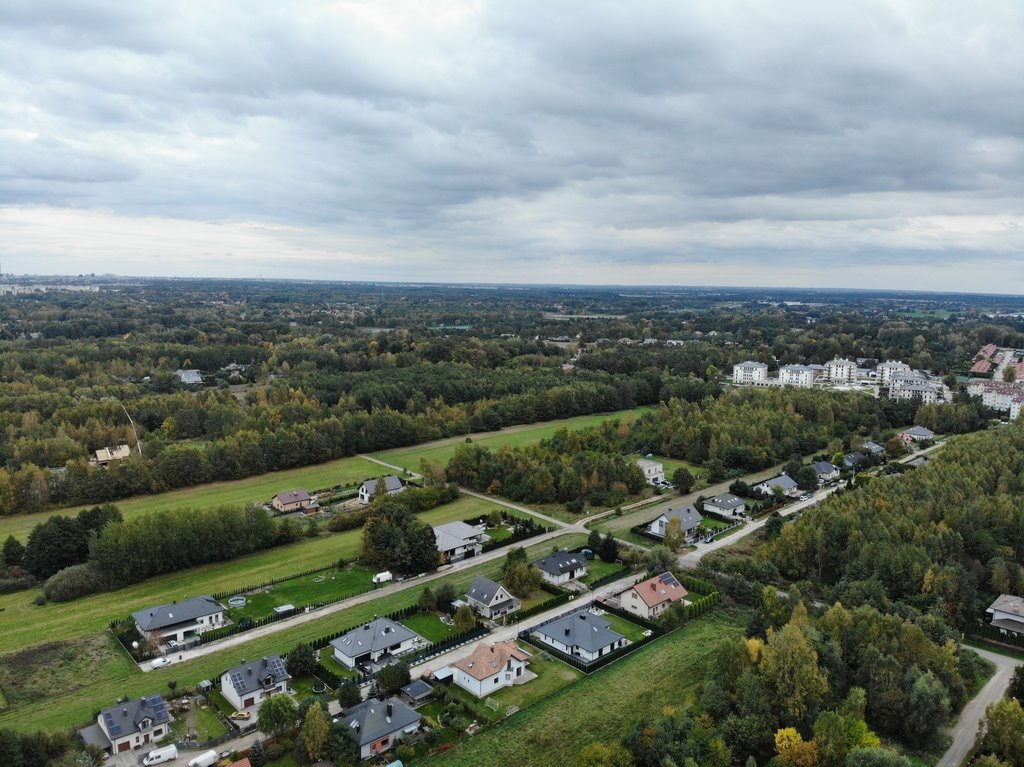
{"x": 966, "y": 728}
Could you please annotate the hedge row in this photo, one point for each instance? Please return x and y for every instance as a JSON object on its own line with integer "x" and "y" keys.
{"x": 560, "y": 599}
{"x": 612, "y": 576}
{"x": 446, "y": 644}
{"x": 990, "y": 633}
{"x": 693, "y": 583}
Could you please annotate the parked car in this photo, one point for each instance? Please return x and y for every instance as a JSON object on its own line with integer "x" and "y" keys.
{"x": 241, "y": 716}
{"x": 161, "y": 663}
{"x": 172, "y": 643}
{"x": 161, "y": 755}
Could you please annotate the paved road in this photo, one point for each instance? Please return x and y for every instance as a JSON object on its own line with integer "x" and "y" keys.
{"x": 966, "y": 728}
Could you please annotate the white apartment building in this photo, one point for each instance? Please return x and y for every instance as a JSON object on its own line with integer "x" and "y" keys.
{"x": 885, "y": 371}
{"x": 801, "y": 376}
{"x": 841, "y": 371}
{"x": 928, "y": 392}
{"x": 749, "y": 372}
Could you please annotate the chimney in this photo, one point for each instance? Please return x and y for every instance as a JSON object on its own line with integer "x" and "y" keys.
{"x": 492, "y": 649}
{"x": 567, "y": 631}
{"x": 124, "y": 711}
{"x": 250, "y": 670}
{"x": 389, "y": 710}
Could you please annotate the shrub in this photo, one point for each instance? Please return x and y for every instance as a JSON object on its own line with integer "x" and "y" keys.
{"x": 40, "y": 600}
{"x": 74, "y": 582}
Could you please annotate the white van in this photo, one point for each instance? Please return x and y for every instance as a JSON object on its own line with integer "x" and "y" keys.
{"x": 161, "y": 755}
{"x": 205, "y": 759}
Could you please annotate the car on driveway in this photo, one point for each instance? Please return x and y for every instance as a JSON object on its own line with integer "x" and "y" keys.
{"x": 161, "y": 663}
{"x": 241, "y": 716}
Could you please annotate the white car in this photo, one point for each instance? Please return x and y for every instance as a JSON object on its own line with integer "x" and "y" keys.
{"x": 161, "y": 663}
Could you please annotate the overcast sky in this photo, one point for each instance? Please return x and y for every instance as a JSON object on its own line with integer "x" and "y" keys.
{"x": 861, "y": 144}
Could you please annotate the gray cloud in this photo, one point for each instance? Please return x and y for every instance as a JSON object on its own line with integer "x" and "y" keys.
{"x": 526, "y": 140}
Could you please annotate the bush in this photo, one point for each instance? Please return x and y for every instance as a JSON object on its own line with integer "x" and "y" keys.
{"x": 40, "y": 600}
{"x": 17, "y": 583}
{"x": 74, "y": 582}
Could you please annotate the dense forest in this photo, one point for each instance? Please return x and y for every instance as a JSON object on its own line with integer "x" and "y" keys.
{"x": 300, "y": 373}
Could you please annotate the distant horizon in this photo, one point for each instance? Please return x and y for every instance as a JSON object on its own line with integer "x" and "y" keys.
{"x": 471, "y": 284}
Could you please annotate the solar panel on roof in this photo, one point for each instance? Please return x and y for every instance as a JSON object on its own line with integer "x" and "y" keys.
{"x": 157, "y": 706}
{"x": 237, "y": 681}
{"x": 113, "y": 728}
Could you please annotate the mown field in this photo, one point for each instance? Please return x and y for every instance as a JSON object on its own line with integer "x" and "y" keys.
{"x": 516, "y": 436}
{"x": 94, "y": 671}
{"x": 604, "y": 705}
{"x": 25, "y": 624}
{"x": 235, "y": 493}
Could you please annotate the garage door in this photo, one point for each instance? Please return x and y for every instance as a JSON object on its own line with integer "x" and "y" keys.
{"x": 248, "y": 702}
{"x": 124, "y": 746}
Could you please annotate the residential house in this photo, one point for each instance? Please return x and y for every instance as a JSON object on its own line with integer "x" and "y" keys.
{"x": 490, "y": 599}
{"x": 189, "y": 377}
{"x": 654, "y": 471}
{"x": 562, "y": 567}
{"x": 800, "y": 376}
{"x": 372, "y": 642}
{"x": 873, "y": 449}
{"x": 827, "y": 472}
{"x": 727, "y": 504}
{"x": 377, "y": 725}
{"x": 1007, "y": 614}
{"x": 856, "y": 460}
{"x": 580, "y": 634}
{"x": 109, "y": 454}
{"x": 749, "y": 372}
{"x": 249, "y": 684}
{"x": 783, "y": 482}
{"x": 128, "y": 725}
{"x": 916, "y": 434}
{"x": 295, "y": 500}
{"x": 392, "y": 486}
{"x": 180, "y": 621}
{"x": 687, "y": 515}
{"x": 650, "y": 598}
{"x": 490, "y": 667}
{"x": 841, "y": 371}
{"x": 458, "y": 540}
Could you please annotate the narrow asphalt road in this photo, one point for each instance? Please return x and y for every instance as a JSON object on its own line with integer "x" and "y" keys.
{"x": 966, "y": 728}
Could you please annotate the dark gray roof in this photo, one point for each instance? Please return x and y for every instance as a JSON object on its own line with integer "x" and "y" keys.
{"x": 293, "y": 496}
{"x": 161, "y": 616}
{"x": 126, "y": 718}
{"x": 1008, "y": 603}
{"x": 191, "y": 376}
{"x": 379, "y": 634}
{"x": 265, "y": 672}
{"x": 561, "y": 562}
{"x": 783, "y": 480}
{"x": 93, "y": 736}
{"x": 824, "y": 467}
{"x": 873, "y": 447}
{"x": 372, "y": 719}
{"x": 581, "y": 629}
{"x": 856, "y": 458}
{"x": 483, "y": 590}
{"x": 391, "y": 483}
{"x": 688, "y": 515}
{"x": 726, "y": 501}
{"x": 418, "y": 689}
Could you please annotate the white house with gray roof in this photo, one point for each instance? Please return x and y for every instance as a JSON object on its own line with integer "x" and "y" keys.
{"x": 378, "y": 725}
{"x": 562, "y": 567}
{"x": 727, "y": 504}
{"x": 458, "y": 540}
{"x": 373, "y": 641}
{"x": 826, "y": 471}
{"x": 249, "y": 684}
{"x": 491, "y": 599}
{"x": 688, "y": 516}
{"x": 129, "y": 725}
{"x": 784, "y": 482}
{"x": 581, "y": 634}
{"x": 392, "y": 486}
{"x": 180, "y": 621}
{"x": 1007, "y": 614}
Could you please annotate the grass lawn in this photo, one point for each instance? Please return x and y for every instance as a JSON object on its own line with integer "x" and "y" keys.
{"x": 604, "y": 705}
{"x": 25, "y": 624}
{"x": 64, "y": 684}
{"x": 288, "y": 760}
{"x": 259, "y": 489}
{"x": 598, "y": 568}
{"x": 334, "y": 584}
{"x": 517, "y": 436}
{"x": 327, "y": 661}
{"x": 631, "y": 631}
{"x": 729, "y": 532}
{"x": 428, "y": 626}
{"x": 712, "y": 524}
{"x": 552, "y": 676}
{"x": 208, "y": 726}
{"x": 671, "y": 464}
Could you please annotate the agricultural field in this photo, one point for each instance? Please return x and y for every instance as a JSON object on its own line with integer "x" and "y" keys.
{"x": 98, "y": 671}
{"x": 26, "y": 624}
{"x": 604, "y": 705}
{"x": 517, "y": 436}
{"x": 234, "y": 493}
